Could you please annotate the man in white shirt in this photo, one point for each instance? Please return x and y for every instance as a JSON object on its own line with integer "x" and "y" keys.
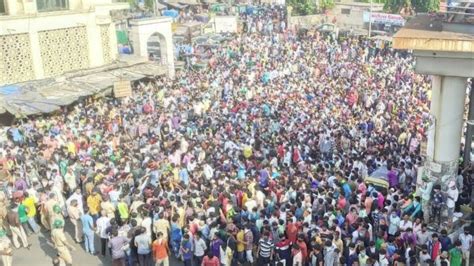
{"x": 146, "y": 222}
{"x": 452, "y": 197}
{"x": 466, "y": 244}
{"x": 102, "y": 223}
{"x": 199, "y": 248}
{"x": 394, "y": 223}
{"x": 406, "y": 223}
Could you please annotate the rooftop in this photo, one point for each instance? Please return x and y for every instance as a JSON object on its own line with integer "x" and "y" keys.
{"x": 434, "y": 33}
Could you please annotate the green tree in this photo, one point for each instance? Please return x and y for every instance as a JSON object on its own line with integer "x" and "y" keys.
{"x": 326, "y": 4}
{"x": 425, "y": 5}
{"x": 303, "y": 7}
{"x": 394, "y": 6}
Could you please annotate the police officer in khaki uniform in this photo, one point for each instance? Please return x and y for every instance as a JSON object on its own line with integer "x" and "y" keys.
{"x": 60, "y": 242}
{"x": 5, "y": 249}
{"x": 56, "y": 215}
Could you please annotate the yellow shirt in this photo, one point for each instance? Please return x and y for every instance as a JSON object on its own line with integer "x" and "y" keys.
{"x": 30, "y": 206}
{"x": 71, "y": 148}
{"x": 93, "y": 202}
{"x": 247, "y": 151}
{"x": 98, "y": 177}
{"x": 240, "y": 237}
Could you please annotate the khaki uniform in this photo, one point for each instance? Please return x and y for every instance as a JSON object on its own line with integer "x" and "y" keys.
{"x": 75, "y": 216}
{"x": 5, "y": 246}
{"x": 48, "y": 212}
{"x": 60, "y": 243}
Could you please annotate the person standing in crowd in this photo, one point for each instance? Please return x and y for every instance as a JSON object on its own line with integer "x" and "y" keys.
{"x": 466, "y": 244}
{"x": 6, "y": 250}
{"x": 30, "y": 203}
{"x": 200, "y": 248}
{"x": 60, "y": 242}
{"x": 88, "y": 229}
{"x": 101, "y": 227}
{"x": 210, "y": 260}
{"x": 186, "y": 250}
{"x": 75, "y": 217}
{"x": 455, "y": 254}
{"x": 117, "y": 245}
{"x": 160, "y": 250}
{"x": 93, "y": 203}
{"x": 17, "y": 230}
{"x": 143, "y": 244}
{"x": 265, "y": 249}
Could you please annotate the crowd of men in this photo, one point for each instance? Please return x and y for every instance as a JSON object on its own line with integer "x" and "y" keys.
{"x": 258, "y": 159}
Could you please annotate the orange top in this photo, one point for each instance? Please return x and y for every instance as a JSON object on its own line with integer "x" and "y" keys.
{"x": 160, "y": 249}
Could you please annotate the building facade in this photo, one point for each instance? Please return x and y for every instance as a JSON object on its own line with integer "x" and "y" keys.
{"x": 45, "y": 38}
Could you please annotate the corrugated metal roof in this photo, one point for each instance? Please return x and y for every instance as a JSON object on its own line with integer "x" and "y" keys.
{"x": 428, "y": 33}
{"x": 48, "y": 95}
{"x": 433, "y": 41}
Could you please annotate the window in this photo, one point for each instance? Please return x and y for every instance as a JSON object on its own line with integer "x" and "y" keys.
{"x": 52, "y": 5}
{"x": 346, "y": 11}
{"x": 2, "y": 6}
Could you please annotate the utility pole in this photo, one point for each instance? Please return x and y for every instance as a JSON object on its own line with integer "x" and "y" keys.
{"x": 370, "y": 18}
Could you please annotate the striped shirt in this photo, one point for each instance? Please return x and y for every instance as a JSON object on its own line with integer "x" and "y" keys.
{"x": 266, "y": 247}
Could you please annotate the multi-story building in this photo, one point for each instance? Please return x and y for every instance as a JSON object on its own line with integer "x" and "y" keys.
{"x": 47, "y": 38}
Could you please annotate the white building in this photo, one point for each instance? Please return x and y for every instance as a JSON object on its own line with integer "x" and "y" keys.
{"x": 47, "y": 38}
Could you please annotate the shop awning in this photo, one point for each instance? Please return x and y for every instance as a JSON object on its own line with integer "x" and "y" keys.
{"x": 49, "y": 95}
{"x": 177, "y": 6}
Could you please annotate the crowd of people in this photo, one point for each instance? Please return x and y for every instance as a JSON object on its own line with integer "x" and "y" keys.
{"x": 259, "y": 159}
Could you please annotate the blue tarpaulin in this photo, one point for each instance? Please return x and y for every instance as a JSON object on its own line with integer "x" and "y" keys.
{"x": 9, "y": 90}
{"x": 170, "y": 13}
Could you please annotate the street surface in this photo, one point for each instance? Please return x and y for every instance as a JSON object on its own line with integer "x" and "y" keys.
{"x": 42, "y": 252}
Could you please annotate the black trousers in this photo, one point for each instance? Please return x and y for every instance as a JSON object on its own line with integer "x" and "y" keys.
{"x": 103, "y": 246}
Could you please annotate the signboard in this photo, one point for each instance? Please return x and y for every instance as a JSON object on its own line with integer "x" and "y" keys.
{"x": 122, "y": 88}
{"x": 384, "y": 18}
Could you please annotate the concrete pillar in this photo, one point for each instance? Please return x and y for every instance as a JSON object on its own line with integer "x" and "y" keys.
{"x": 469, "y": 128}
{"x": 447, "y": 108}
{"x": 95, "y": 45}
{"x": 36, "y": 55}
{"x": 11, "y": 7}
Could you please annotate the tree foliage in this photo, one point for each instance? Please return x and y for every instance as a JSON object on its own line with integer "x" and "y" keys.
{"x": 303, "y": 7}
{"x": 394, "y": 6}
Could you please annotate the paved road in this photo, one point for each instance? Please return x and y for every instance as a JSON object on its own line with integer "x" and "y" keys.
{"x": 42, "y": 252}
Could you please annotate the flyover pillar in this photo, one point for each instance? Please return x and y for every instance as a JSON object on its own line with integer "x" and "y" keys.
{"x": 447, "y": 118}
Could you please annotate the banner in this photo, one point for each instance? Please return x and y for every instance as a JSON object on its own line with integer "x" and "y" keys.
{"x": 385, "y": 18}
{"x": 122, "y": 88}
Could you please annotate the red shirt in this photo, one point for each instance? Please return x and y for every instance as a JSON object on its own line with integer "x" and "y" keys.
{"x": 304, "y": 249}
{"x": 292, "y": 232}
{"x": 210, "y": 262}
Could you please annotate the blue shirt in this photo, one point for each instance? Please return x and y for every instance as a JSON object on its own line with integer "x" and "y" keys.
{"x": 87, "y": 223}
{"x": 187, "y": 255}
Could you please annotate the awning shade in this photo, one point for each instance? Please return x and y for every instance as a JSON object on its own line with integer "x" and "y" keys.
{"x": 48, "y": 95}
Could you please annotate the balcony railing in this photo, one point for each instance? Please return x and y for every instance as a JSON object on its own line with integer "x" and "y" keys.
{"x": 52, "y": 5}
